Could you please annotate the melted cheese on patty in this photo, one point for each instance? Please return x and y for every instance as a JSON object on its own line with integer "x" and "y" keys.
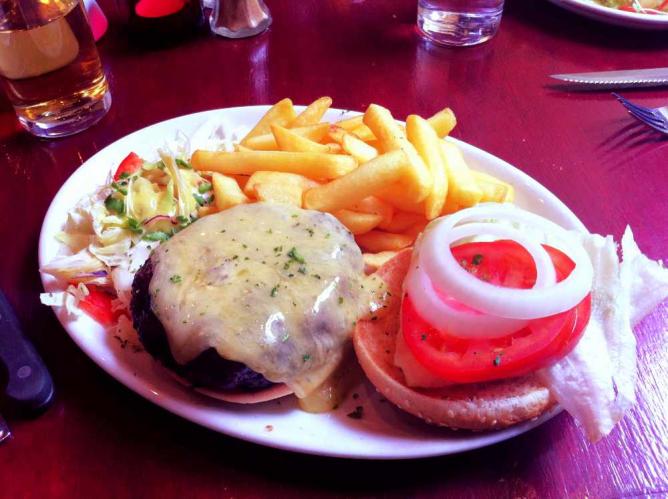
{"x": 272, "y": 286}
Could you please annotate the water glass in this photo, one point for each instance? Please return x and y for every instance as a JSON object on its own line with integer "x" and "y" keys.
{"x": 459, "y": 22}
{"x": 49, "y": 66}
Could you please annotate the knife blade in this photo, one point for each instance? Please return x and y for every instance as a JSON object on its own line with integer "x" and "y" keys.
{"x": 631, "y": 78}
{"x": 29, "y": 388}
{"x": 5, "y": 433}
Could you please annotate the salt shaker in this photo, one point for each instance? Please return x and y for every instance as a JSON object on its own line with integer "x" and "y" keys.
{"x": 239, "y": 18}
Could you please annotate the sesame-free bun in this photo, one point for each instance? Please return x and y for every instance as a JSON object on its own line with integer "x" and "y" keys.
{"x": 480, "y": 406}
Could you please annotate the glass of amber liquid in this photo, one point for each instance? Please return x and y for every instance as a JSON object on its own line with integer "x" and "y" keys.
{"x": 49, "y": 66}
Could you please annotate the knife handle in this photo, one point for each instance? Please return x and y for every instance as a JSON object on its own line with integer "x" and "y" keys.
{"x": 29, "y": 387}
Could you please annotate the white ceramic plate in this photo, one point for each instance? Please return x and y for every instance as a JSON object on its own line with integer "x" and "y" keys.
{"x": 593, "y": 10}
{"x": 383, "y": 433}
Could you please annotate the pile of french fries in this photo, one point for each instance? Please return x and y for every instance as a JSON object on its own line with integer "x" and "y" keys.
{"x": 382, "y": 180}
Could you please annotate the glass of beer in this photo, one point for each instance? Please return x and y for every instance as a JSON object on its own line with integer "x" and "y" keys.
{"x": 49, "y": 66}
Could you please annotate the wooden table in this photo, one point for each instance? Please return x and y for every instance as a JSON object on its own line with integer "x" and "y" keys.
{"x": 101, "y": 440}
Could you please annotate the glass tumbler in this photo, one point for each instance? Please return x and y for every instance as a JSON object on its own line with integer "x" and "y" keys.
{"x": 459, "y": 23}
{"x": 49, "y": 66}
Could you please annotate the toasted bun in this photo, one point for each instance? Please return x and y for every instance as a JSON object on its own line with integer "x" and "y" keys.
{"x": 480, "y": 406}
{"x": 271, "y": 393}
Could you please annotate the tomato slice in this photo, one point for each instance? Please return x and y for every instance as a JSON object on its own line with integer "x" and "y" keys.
{"x": 98, "y": 305}
{"x": 541, "y": 343}
{"x": 128, "y": 166}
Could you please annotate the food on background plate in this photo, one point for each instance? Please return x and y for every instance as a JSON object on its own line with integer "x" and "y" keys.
{"x": 637, "y": 6}
{"x": 437, "y": 354}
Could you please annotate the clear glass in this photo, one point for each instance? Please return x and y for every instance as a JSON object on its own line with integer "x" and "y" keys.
{"x": 49, "y": 66}
{"x": 459, "y": 22}
{"x": 239, "y": 18}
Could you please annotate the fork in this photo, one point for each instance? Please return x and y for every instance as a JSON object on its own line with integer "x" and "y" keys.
{"x": 657, "y": 117}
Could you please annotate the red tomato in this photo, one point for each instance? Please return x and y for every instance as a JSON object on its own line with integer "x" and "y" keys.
{"x": 129, "y": 165}
{"x": 541, "y": 343}
{"x": 98, "y": 305}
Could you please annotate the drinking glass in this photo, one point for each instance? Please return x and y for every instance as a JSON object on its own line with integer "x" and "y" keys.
{"x": 49, "y": 66}
{"x": 459, "y": 22}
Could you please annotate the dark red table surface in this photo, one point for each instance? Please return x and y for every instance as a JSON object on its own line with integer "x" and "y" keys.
{"x": 101, "y": 440}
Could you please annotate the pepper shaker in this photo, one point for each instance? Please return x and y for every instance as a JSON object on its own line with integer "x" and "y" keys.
{"x": 239, "y": 18}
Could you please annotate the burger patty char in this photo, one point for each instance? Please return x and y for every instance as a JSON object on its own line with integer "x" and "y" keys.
{"x": 208, "y": 369}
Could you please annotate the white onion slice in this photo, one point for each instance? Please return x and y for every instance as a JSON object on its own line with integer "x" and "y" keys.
{"x": 448, "y": 276}
{"x": 455, "y": 318}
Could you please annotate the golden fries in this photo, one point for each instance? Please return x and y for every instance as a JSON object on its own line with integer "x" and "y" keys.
{"x": 426, "y": 142}
{"x": 281, "y": 113}
{"x": 463, "y": 190}
{"x": 419, "y": 182}
{"x": 493, "y": 189}
{"x": 358, "y": 223}
{"x": 377, "y": 241}
{"x": 287, "y": 140}
{"x": 226, "y": 192}
{"x": 368, "y": 179}
{"x": 310, "y": 164}
{"x": 313, "y": 112}
{"x": 267, "y": 142}
{"x": 382, "y": 180}
{"x": 443, "y": 122}
{"x": 372, "y": 204}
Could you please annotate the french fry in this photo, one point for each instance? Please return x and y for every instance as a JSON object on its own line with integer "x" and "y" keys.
{"x": 373, "y": 261}
{"x": 240, "y": 148}
{"x": 242, "y": 180}
{"x": 350, "y": 124}
{"x": 366, "y": 180}
{"x": 403, "y": 221}
{"x": 426, "y": 142}
{"x": 281, "y": 113}
{"x": 493, "y": 189}
{"x": 358, "y": 149}
{"x": 313, "y": 112}
{"x": 358, "y": 223}
{"x": 335, "y": 148}
{"x": 226, "y": 192}
{"x": 414, "y": 230}
{"x": 363, "y": 133}
{"x": 443, "y": 122}
{"x": 419, "y": 183}
{"x": 377, "y": 241}
{"x": 310, "y": 164}
{"x": 287, "y": 140}
{"x": 267, "y": 142}
{"x": 352, "y": 144}
{"x": 376, "y": 206}
{"x": 396, "y": 195}
{"x": 282, "y": 178}
{"x": 463, "y": 190}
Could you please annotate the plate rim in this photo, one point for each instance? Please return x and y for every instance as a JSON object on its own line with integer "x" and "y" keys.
{"x": 177, "y": 407}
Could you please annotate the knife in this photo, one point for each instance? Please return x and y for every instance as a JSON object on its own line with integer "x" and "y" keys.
{"x": 29, "y": 388}
{"x": 631, "y": 78}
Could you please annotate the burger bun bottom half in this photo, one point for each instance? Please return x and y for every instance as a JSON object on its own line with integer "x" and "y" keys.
{"x": 480, "y": 406}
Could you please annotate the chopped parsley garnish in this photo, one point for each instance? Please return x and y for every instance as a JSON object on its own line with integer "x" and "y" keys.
{"x": 306, "y": 357}
{"x": 274, "y": 291}
{"x": 183, "y": 164}
{"x": 340, "y": 300}
{"x": 124, "y": 175}
{"x": 183, "y": 221}
{"x": 294, "y": 255}
{"x": 114, "y": 204}
{"x": 269, "y": 231}
{"x": 317, "y": 276}
{"x": 285, "y": 337}
{"x": 423, "y": 337}
{"x": 176, "y": 278}
{"x": 157, "y": 235}
{"x": 302, "y": 270}
{"x": 477, "y": 259}
{"x": 497, "y": 361}
{"x": 310, "y": 232}
{"x": 204, "y": 187}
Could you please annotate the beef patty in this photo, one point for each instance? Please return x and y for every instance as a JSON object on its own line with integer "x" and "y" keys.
{"x": 208, "y": 369}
